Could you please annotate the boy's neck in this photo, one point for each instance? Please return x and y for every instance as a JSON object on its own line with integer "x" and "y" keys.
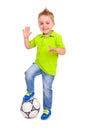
{"x": 47, "y": 34}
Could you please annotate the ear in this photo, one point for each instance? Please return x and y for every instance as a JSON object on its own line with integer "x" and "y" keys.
{"x": 53, "y": 23}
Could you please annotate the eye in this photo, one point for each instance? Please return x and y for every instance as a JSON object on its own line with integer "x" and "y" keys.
{"x": 47, "y": 22}
{"x": 41, "y": 23}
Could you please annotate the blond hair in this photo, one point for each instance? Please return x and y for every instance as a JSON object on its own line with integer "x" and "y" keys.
{"x": 47, "y": 13}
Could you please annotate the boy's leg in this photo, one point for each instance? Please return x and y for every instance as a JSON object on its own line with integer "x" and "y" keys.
{"x": 47, "y": 94}
{"x": 30, "y": 75}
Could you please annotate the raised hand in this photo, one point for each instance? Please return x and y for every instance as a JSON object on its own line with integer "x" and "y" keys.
{"x": 26, "y": 32}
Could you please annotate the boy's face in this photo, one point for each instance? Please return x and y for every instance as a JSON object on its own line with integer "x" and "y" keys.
{"x": 45, "y": 24}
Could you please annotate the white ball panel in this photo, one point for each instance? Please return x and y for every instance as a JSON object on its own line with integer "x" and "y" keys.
{"x": 36, "y": 104}
{"x": 33, "y": 114}
{"x": 27, "y": 107}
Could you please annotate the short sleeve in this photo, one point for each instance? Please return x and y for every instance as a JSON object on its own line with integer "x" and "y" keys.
{"x": 59, "y": 42}
{"x": 35, "y": 40}
{"x": 32, "y": 42}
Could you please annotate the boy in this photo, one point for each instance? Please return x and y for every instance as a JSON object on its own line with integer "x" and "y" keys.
{"x": 49, "y": 46}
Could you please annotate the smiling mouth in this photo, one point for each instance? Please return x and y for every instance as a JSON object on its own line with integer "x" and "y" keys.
{"x": 45, "y": 29}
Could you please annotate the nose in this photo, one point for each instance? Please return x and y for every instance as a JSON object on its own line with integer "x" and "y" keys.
{"x": 45, "y": 26}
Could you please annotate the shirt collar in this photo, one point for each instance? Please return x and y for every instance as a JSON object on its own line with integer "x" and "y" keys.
{"x": 51, "y": 35}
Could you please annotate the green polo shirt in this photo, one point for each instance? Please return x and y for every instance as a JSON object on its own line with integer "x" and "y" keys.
{"x": 46, "y": 60}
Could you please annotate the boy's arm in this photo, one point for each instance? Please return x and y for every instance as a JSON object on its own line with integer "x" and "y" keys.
{"x": 26, "y": 34}
{"x": 26, "y": 43}
{"x": 60, "y": 51}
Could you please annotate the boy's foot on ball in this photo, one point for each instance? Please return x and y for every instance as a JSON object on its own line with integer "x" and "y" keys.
{"x": 27, "y": 96}
{"x": 46, "y": 114}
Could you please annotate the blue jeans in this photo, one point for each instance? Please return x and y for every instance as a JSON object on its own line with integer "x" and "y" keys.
{"x": 47, "y": 80}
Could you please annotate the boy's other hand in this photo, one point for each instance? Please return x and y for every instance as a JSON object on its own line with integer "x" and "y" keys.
{"x": 51, "y": 49}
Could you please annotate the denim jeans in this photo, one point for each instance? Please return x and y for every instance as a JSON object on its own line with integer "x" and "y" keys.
{"x": 47, "y": 80}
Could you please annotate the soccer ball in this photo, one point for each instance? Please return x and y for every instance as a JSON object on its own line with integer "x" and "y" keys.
{"x": 31, "y": 108}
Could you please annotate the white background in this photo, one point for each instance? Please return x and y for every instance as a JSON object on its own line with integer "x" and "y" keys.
{"x": 70, "y": 86}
